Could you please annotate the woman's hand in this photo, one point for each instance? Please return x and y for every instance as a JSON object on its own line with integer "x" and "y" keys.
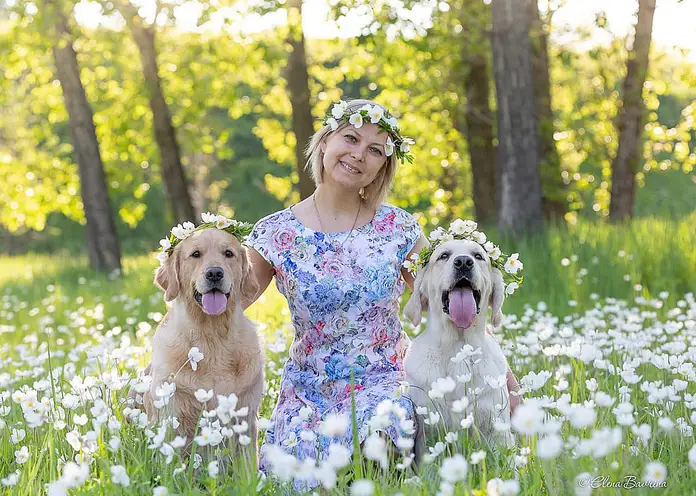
{"x": 407, "y": 276}
{"x": 514, "y": 389}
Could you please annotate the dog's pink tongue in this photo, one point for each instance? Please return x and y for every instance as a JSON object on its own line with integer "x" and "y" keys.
{"x": 462, "y": 307}
{"x": 214, "y": 302}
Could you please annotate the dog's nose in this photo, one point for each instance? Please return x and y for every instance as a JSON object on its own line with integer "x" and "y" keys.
{"x": 214, "y": 274}
{"x": 463, "y": 262}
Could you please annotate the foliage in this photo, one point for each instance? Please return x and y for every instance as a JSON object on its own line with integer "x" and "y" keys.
{"x": 233, "y": 117}
{"x": 61, "y": 321}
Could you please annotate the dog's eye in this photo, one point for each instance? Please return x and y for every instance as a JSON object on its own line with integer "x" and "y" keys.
{"x": 444, "y": 256}
{"x": 478, "y": 256}
{"x": 196, "y": 254}
{"x": 229, "y": 253}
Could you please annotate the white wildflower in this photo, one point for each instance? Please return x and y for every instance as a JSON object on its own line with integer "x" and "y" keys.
{"x": 454, "y": 468}
{"x": 119, "y": 475}
{"x": 195, "y": 356}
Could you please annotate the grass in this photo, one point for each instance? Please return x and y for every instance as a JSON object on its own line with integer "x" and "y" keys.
{"x": 621, "y": 291}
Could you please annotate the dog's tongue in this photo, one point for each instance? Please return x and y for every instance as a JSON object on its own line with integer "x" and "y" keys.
{"x": 462, "y": 307}
{"x": 214, "y": 302}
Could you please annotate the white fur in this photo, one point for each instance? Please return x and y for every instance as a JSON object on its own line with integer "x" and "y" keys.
{"x": 430, "y": 354}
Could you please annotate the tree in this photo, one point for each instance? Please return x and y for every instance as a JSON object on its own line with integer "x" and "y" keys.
{"x": 518, "y": 180}
{"x": 174, "y": 179}
{"x": 475, "y": 19}
{"x": 298, "y": 87}
{"x": 102, "y": 242}
{"x": 553, "y": 190}
{"x": 630, "y": 117}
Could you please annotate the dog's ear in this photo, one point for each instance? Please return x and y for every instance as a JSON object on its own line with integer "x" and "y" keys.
{"x": 167, "y": 277}
{"x": 497, "y": 297}
{"x": 418, "y": 302}
{"x": 250, "y": 285}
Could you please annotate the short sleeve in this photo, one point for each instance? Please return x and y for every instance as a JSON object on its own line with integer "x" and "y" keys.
{"x": 261, "y": 237}
{"x": 412, "y": 233}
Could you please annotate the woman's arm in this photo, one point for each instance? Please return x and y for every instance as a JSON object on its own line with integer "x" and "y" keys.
{"x": 408, "y": 277}
{"x": 262, "y": 270}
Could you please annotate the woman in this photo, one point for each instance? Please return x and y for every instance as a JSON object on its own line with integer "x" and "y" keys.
{"x": 337, "y": 258}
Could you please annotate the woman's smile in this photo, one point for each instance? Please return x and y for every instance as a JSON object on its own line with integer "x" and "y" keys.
{"x": 350, "y": 169}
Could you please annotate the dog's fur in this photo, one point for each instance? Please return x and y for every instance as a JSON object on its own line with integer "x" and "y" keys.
{"x": 429, "y": 356}
{"x": 233, "y": 357}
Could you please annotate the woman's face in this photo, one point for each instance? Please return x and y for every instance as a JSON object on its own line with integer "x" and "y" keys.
{"x": 353, "y": 157}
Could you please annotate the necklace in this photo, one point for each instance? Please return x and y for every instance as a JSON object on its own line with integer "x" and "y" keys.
{"x": 316, "y": 209}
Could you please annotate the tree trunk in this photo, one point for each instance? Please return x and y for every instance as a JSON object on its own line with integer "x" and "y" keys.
{"x": 518, "y": 180}
{"x": 102, "y": 241}
{"x": 630, "y": 118}
{"x": 479, "y": 116}
{"x": 173, "y": 177}
{"x": 298, "y": 87}
{"x": 553, "y": 190}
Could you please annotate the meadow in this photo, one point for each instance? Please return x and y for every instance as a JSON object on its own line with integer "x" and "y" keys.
{"x": 600, "y": 334}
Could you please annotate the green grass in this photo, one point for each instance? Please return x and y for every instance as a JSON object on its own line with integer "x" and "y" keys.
{"x": 58, "y": 318}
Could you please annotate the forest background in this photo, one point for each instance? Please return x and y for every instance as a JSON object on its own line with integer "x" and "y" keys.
{"x": 239, "y": 82}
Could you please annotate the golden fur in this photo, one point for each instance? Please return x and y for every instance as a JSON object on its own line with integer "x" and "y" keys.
{"x": 233, "y": 357}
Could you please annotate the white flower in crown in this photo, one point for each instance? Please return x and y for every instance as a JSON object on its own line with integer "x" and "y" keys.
{"x": 460, "y": 226}
{"x": 394, "y": 124}
{"x": 179, "y": 231}
{"x": 479, "y": 237}
{"x": 162, "y": 257}
{"x": 208, "y": 217}
{"x": 405, "y": 145}
{"x": 357, "y": 120}
{"x": 333, "y": 123}
{"x": 513, "y": 265}
{"x": 493, "y": 251}
{"x": 437, "y": 234}
{"x": 389, "y": 147}
{"x": 339, "y": 109}
{"x": 510, "y": 288}
{"x": 375, "y": 114}
{"x": 222, "y": 222}
{"x": 165, "y": 244}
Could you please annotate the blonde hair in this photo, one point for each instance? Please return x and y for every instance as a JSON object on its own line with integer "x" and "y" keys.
{"x": 376, "y": 192}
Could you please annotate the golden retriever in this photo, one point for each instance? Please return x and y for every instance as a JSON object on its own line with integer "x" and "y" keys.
{"x": 205, "y": 279}
{"x": 455, "y": 288}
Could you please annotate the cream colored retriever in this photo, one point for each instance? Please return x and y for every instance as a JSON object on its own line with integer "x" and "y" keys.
{"x": 455, "y": 288}
{"x": 205, "y": 279}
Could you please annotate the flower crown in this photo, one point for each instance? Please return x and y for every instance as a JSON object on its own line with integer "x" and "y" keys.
{"x": 509, "y": 266}
{"x": 375, "y": 115}
{"x": 240, "y": 230}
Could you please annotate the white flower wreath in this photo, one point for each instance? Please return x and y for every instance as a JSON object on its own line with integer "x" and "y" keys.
{"x": 180, "y": 232}
{"x": 509, "y": 266}
{"x": 374, "y": 114}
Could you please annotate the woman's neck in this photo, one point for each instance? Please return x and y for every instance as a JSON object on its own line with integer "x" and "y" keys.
{"x": 336, "y": 203}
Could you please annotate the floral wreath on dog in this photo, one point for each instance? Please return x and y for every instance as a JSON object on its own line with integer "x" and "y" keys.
{"x": 509, "y": 266}
{"x": 375, "y": 115}
{"x": 238, "y": 229}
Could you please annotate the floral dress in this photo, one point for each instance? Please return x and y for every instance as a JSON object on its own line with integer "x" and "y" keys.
{"x": 344, "y": 302}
